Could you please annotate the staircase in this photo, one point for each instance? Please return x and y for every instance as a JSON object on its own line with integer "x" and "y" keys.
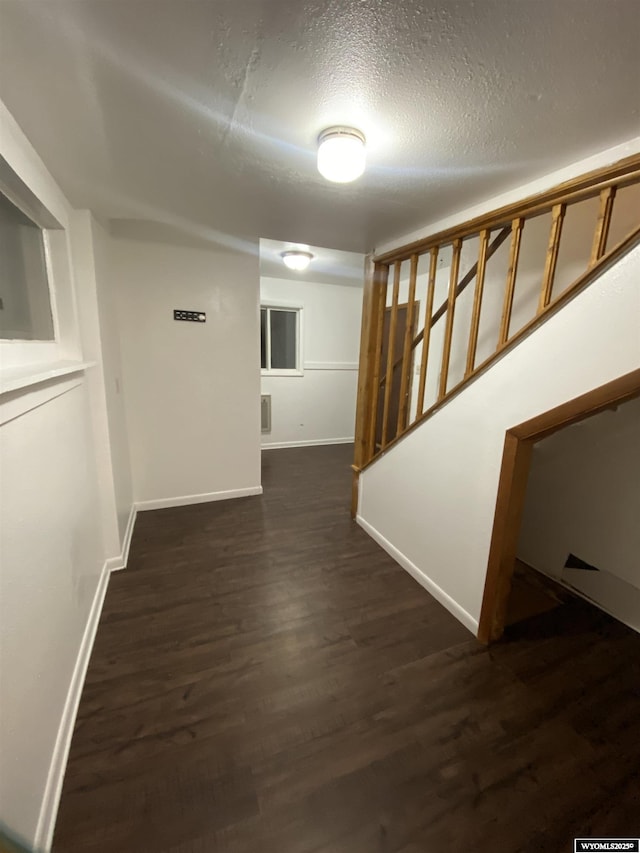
{"x": 472, "y": 340}
{"x": 522, "y": 264}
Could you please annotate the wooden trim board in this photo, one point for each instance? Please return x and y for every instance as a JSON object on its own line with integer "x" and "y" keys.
{"x": 512, "y": 487}
{"x": 621, "y": 174}
{"x": 612, "y": 256}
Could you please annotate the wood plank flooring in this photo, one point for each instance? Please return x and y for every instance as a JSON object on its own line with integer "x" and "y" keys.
{"x": 265, "y": 679}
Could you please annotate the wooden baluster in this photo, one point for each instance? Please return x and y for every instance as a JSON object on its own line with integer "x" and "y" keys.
{"x": 514, "y": 252}
{"x": 466, "y": 279}
{"x": 364, "y": 376}
{"x": 406, "y": 350}
{"x": 381, "y": 280}
{"x": 462, "y": 285}
{"x": 409, "y": 392}
{"x": 557, "y": 218}
{"x": 392, "y": 340}
{"x": 431, "y": 288}
{"x": 366, "y": 369}
{"x": 477, "y": 302}
{"x": 451, "y": 304}
{"x": 607, "y": 197}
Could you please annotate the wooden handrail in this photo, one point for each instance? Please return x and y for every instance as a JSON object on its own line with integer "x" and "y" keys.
{"x": 619, "y": 174}
{"x": 375, "y": 433}
{"x": 613, "y": 255}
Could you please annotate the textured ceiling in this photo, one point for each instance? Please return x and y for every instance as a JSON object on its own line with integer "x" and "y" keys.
{"x": 329, "y": 266}
{"x": 203, "y": 115}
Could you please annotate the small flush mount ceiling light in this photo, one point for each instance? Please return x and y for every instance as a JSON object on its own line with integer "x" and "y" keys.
{"x": 296, "y": 259}
{"x": 341, "y": 154}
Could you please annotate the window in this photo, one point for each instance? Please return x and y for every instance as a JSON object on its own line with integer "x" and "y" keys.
{"x": 280, "y": 340}
{"x": 25, "y": 305}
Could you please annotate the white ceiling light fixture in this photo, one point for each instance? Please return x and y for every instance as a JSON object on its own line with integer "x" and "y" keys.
{"x": 296, "y": 259}
{"x": 341, "y": 154}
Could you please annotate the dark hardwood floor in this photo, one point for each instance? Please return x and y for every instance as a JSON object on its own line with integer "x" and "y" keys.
{"x": 265, "y": 679}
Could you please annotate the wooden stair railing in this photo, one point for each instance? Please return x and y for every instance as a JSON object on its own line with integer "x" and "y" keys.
{"x": 374, "y": 432}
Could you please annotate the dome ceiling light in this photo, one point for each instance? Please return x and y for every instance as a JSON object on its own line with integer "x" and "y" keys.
{"x": 296, "y": 259}
{"x": 341, "y": 154}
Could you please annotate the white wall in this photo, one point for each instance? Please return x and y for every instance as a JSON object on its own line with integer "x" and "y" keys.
{"x": 115, "y": 392}
{"x": 101, "y": 344}
{"x": 89, "y": 324}
{"x": 318, "y": 407}
{"x": 192, "y": 390}
{"x": 431, "y": 498}
{"x": 583, "y": 498}
{"x": 54, "y": 558}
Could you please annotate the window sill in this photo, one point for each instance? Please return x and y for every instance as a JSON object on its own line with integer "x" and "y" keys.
{"x": 16, "y": 378}
{"x": 288, "y": 373}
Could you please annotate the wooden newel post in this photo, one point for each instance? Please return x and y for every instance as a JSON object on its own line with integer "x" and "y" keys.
{"x": 373, "y": 297}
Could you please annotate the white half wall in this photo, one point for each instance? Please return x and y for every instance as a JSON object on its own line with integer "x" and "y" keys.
{"x": 319, "y": 406}
{"x": 192, "y": 389}
{"x": 52, "y": 559}
{"x": 432, "y": 496}
{"x": 57, "y": 523}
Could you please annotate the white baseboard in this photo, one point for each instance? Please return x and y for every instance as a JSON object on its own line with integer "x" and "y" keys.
{"x": 114, "y": 564}
{"x": 424, "y": 580}
{"x": 185, "y": 500}
{"x": 128, "y": 533}
{"x": 279, "y": 445}
{"x": 55, "y": 778}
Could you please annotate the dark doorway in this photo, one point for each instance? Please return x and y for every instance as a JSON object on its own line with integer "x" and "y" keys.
{"x": 394, "y": 399}
{"x": 516, "y": 459}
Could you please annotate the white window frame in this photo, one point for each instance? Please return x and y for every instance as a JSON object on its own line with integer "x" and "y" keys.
{"x": 294, "y": 309}
{"x": 43, "y": 222}
{"x": 26, "y": 182}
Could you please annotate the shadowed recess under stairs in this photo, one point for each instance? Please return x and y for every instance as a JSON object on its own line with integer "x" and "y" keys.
{"x": 266, "y": 678}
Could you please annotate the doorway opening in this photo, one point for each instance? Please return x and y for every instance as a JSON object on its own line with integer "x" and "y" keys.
{"x": 512, "y": 489}
{"x": 309, "y": 345}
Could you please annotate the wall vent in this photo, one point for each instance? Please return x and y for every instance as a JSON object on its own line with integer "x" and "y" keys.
{"x": 265, "y": 412}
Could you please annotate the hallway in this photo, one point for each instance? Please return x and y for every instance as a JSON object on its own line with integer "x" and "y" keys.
{"x": 266, "y": 679}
